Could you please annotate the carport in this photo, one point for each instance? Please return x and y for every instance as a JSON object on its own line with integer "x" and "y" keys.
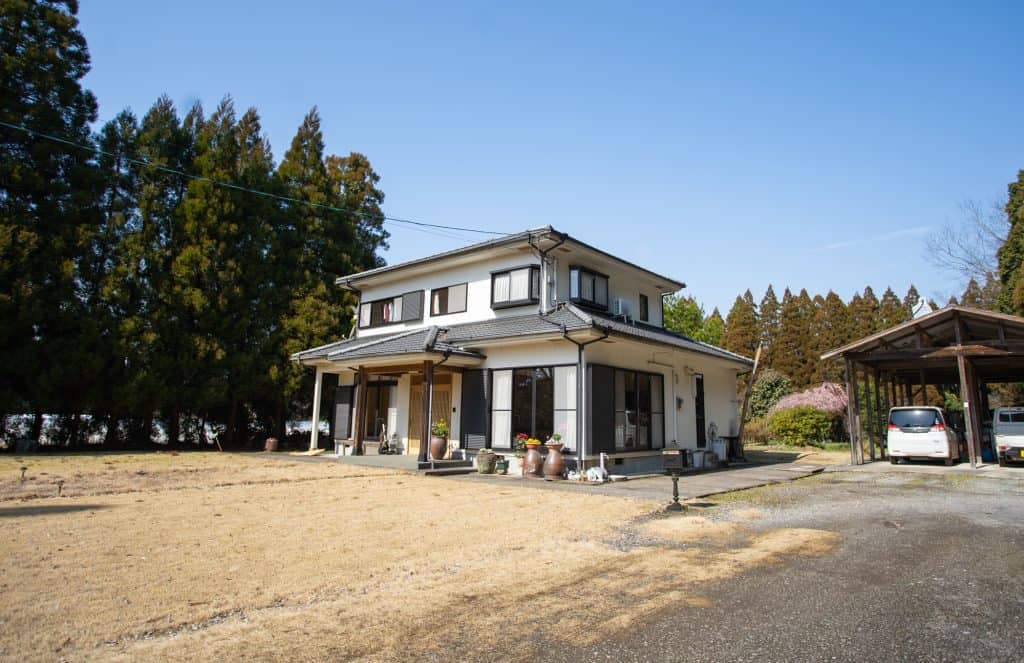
{"x": 955, "y": 349}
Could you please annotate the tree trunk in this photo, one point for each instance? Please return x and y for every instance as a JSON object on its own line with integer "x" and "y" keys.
{"x": 76, "y": 427}
{"x": 110, "y": 440}
{"x": 174, "y": 427}
{"x": 37, "y": 426}
{"x": 232, "y": 422}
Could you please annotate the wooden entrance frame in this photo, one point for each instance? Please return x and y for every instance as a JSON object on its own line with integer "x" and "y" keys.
{"x": 954, "y": 347}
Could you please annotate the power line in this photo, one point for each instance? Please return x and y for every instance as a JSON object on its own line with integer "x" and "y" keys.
{"x": 236, "y": 187}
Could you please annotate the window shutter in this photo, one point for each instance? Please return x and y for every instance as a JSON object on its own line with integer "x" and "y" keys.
{"x": 474, "y": 409}
{"x": 457, "y": 298}
{"x": 343, "y": 413}
{"x": 601, "y": 409}
{"x": 412, "y": 305}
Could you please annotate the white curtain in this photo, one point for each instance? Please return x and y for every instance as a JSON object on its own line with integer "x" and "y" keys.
{"x": 501, "y": 288}
{"x": 520, "y": 288}
{"x": 457, "y": 298}
{"x": 501, "y": 410}
{"x": 565, "y": 405}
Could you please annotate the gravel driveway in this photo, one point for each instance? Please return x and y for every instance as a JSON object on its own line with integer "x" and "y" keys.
{"x": 931, "y": 569}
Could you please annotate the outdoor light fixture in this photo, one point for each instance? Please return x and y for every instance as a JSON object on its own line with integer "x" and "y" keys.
{"x": 675, "y": 463}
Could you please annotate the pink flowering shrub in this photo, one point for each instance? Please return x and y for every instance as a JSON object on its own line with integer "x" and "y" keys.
{"x": 828, "y": 397}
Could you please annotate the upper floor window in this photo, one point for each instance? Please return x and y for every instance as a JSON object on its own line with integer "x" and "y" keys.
{"x": 587, "y": 287}
{"x": 645, "y": 309}
{"x": 391, "y": 310}
{"x": 515, "y": 287}
{"x": 448, "y": 300}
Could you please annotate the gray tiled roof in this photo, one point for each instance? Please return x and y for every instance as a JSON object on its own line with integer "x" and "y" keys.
{"x": 659, "y": 335}
{"x": 459, "y": 339}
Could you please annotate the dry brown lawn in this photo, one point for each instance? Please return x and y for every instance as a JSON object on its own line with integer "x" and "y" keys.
{"x": 232, "y": 557}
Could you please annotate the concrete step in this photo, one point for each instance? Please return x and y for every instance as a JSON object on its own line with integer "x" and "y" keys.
{"x": 448, "y": 471}
{"x": 443, "y": 464}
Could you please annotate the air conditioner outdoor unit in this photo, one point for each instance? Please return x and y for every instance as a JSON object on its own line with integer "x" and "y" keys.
{"x": 620, "y": 306}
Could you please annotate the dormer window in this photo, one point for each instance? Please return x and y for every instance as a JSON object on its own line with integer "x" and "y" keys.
{"x": 515, "y": 287}
{"x": 392, "y": 310}
{"x": 588, "y": 287}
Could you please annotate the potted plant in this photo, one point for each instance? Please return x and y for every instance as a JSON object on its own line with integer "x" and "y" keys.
{"x": 485, "y": 461}
{"x": 533, "y": 463}
{"x": 554, "y": 464}
{"x": 519, "y": 445}
{"x": 439, "y": 440}
{"x": 501, "y": 465}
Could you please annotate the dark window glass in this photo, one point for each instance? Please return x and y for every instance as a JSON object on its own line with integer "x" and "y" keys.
{"x": 533, "y": 402}
{"x": 522, "y": 401}
{"x": 544, "y": 403}
{"x": 914, "y": 418}
{"x": 588, "y": 287}
{"x": 644, "y": 309}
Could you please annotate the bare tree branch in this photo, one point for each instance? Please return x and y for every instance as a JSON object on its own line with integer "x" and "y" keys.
{"x": 968, "y": 247}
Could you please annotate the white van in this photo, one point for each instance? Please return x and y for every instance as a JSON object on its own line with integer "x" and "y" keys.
{"x": 1008, "y": 430}
{"x": 921, "y": 432}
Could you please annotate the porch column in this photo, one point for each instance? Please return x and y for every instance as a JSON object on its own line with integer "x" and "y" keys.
{"x": 314, "y": 434}
{"x": 360, "y": 418}
{"x": 881, "y": 416}
{"x": 428, "y": 396}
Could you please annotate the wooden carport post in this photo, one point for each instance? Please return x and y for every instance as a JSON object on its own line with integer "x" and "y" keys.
{"x": 428, "y": 395}
{"x": 852, "y": 415}
{"x": 967, "y": 391}
{"x": 881, "y": 415}
{"x": 871, "y": 415}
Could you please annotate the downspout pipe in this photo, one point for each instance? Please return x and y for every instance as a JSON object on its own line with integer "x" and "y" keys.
{"x": 545, "y": 305}
{"x": 580, "y": 447}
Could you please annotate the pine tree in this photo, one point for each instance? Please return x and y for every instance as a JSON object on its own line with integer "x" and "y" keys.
{"x": 741, "y": 327}
{"x": 769, "y": 317}
{"x": 831, "y": 329}
{"x": 910, "y": 301}
{"x": 792, "y": 350}
{"x": 891, "y": 311}
{"x": 863, "y": 312}
{"x": 48, "y": 210}
{"x": 1011, "y": 253}
{"x": 972, "y": 295}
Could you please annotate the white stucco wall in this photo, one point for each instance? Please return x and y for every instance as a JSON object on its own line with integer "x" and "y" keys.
{"x": 478, "y": 293}
{"x": 679, "y": 369}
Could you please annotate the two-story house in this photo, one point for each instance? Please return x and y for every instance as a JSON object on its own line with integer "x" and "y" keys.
{"x": 537, "y": 333}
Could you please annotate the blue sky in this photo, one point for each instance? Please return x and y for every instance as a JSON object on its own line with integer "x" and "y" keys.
{"x": 727, "y": 145}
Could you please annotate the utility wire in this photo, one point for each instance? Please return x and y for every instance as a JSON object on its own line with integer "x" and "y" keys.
{"x": 228, "y": 185}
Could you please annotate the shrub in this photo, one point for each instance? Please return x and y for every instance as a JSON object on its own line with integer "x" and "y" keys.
{"x": 802, "y": 425}
{"x": 767, "y": 391}
{"x": 756, "y": 431}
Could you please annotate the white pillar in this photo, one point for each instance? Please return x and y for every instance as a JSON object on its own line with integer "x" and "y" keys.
{"x": 315, "y": 433}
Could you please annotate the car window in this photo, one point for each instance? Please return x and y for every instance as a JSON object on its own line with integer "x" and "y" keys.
{"x": 914, "y": 418}
{"x": 1011, "y": 417}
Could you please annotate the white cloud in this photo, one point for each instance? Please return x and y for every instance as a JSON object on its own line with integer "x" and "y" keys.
{"x": 894, "y": 234}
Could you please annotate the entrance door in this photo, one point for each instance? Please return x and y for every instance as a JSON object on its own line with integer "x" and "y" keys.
{"x": 378, "y": 400}
{"x": 698, "y": 402}
{"x": 440, "y": 408}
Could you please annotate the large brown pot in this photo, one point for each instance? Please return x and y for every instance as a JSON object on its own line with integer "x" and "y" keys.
{"x": 554, "y": 464}
{"x": 438, "y": 447}
{"x": 533, "y": 463}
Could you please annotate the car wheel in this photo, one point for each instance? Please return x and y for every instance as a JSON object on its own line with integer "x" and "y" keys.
{"x": 948, "y": 462}
{"x": 893, "y": 459}
{"x": 1002, "y": 462}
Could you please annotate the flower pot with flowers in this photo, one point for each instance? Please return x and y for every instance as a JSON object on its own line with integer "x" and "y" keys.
{"x": 439, "y": 440}
{"x": 533, "y": 462}
{"x": 554, "y": 464}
